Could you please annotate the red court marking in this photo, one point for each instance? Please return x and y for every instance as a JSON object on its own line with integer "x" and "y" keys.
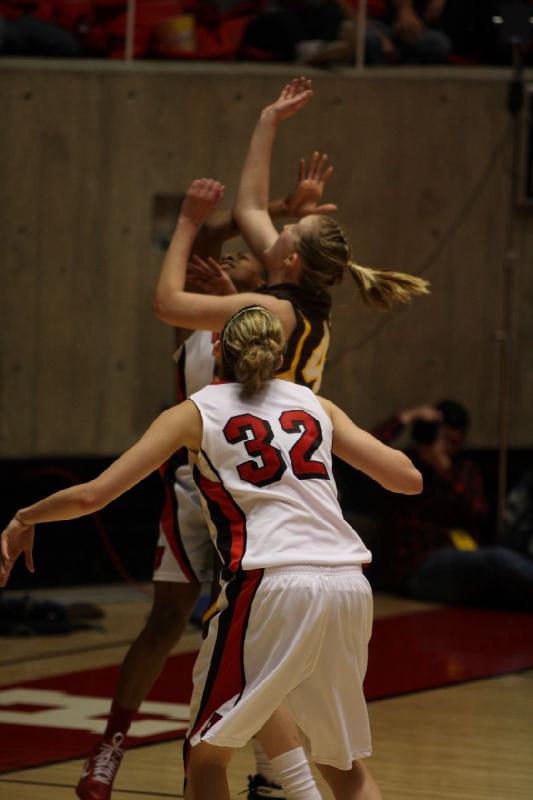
{"x": 434, "y": 648}
{"x": 408, "y": 653}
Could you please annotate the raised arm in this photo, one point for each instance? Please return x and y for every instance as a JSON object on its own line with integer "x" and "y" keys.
{"x": 204, "y": 274}
{"x": 201, "y": 200}
{"x": 389, "y": 467}
{"x": 251, "y": 205}
{"x": 172, "y": 304}
{"x": 179, "y": 426}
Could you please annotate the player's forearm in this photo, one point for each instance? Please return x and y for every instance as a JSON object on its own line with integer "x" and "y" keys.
{"x": 279, "y": 209}
{"x": 254, "y": 184}
{"x": 171, "y": 281}
{"x": 218, "y": 228}
{"x": 221, "y": 227}
{"x": 76, "y": 501}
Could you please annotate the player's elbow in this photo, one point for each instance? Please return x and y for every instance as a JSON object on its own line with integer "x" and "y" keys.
{"x": 412, "y": 482}
{"x": 90, "y": 498}
{"x": 415, "y": 483}
{"x": 162, "y": 310}
{"x": 158, "y": 305}
{"x": 407, "y": 478}
{"x": 240, "y": 215}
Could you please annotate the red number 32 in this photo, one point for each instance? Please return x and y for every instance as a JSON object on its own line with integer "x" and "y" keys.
{"x": 272, "y": 464}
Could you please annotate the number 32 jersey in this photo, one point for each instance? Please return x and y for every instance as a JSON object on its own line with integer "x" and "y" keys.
{"x": 265, "y": 478}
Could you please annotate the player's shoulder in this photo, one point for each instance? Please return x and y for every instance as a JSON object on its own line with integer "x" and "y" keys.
{"x": 304, "y": 395}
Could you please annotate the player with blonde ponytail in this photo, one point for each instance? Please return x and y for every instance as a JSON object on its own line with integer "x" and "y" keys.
{"x": 382, "y": 288}
{"x": 252, "y": 347}
{"x": 302, "y": 263}
{"x": 293, "y": 590}
{"x": 313, "y": 253}
{"x": 326, "y": 258}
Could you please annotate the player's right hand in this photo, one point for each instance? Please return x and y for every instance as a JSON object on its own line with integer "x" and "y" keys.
{"x": 202, "y": 198}
{"x": 293, "y": 97}
{"x": 208, "y": 277}
{"x": 312, "y": 178}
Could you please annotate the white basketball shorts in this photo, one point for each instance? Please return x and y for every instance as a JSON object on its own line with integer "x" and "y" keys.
{"x": 296, "y": 636}
{"x": 184, "y": 552}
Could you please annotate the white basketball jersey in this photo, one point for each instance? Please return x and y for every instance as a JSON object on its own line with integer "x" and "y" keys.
{"x": 265, "y": 476}
{"x": 195, "y": 363}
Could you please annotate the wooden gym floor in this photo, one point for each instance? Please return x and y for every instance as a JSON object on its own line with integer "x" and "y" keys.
{"x": 469, "y": 740}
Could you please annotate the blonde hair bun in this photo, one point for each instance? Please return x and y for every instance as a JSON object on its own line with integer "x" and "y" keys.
{"x": 252, "y": 343}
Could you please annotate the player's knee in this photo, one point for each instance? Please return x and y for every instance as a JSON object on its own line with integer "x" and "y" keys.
{"x": 205, "y": 755}
{"x": 167, "y": 620}
{"x": 163, "y": 629}
{"x": 344, "y": 780}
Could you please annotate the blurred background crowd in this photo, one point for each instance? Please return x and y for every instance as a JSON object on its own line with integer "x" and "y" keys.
{"x": 317, "y": 32}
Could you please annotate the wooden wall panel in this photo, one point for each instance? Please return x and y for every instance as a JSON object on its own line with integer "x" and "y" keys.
{"x": 85, "y": 147}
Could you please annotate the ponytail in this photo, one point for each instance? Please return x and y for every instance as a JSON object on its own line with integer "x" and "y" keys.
{"x": 383, "y": 288}
{"x": 326, "y": 259}
{"x": 252, "y": 342}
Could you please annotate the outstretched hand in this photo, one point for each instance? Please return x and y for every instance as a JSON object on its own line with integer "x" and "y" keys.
{"x": 202, "y": 198}
{"x": 208, "y": 277}
{"x": 312, "y": 179}
{"x": 16, "y": 539}
{"x": 293, "y": 97}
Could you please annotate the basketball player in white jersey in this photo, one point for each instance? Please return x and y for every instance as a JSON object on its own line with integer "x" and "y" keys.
{"x": 184, "y": 554}
{"x": 294, "y": 591}
{"x": 302, "y": 263}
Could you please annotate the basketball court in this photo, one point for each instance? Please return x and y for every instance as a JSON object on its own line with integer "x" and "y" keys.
{"x": 450, "y": 697}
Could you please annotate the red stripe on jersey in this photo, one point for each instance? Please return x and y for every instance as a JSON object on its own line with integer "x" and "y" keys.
{"x": 228, "y": 519}
{"x": 226, "y": 677}
{"x": 169, "y": 525}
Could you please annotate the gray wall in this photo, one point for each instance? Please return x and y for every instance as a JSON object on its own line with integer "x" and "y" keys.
{"x": 85, "y": 366}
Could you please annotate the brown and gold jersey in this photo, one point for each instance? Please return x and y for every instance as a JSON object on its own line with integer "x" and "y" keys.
{"x": 308, "y": 344}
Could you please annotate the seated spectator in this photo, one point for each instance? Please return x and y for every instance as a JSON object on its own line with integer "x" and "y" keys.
{"x": 26, "y": 29}
{"x": 433, "y": 544}
{"x": 518, "y": 516}
{"x": 309, "y": 31}
{"x": 322, "y": 32}
{"x": 408, "y": 34}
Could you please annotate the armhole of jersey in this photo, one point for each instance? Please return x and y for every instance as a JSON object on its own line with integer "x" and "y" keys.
{"x": 202, "y": 443}
{"x": 323, "y": 410}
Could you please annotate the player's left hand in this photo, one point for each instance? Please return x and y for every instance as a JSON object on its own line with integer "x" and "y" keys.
{"x": 16, "y": 539}
{"x": 312, "y": 178}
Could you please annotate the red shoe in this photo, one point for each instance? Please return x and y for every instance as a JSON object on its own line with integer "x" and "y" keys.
{"x": 100, "y": 769}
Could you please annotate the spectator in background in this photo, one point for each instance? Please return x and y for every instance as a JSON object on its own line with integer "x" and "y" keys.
{"x": 323, "y": 32}
{"x": 309, "y": 31}
{"x": 433, "y": 544}
{"x": 26, "y": 29}
{"x": 407, "y": 33}
{"x": 518, "y": 516}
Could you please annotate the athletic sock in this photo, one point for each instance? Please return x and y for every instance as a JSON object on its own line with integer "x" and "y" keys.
{"x": 262, "y": 763}
{"x": 295, "y": 775}
{"x": 119, "y": 720}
